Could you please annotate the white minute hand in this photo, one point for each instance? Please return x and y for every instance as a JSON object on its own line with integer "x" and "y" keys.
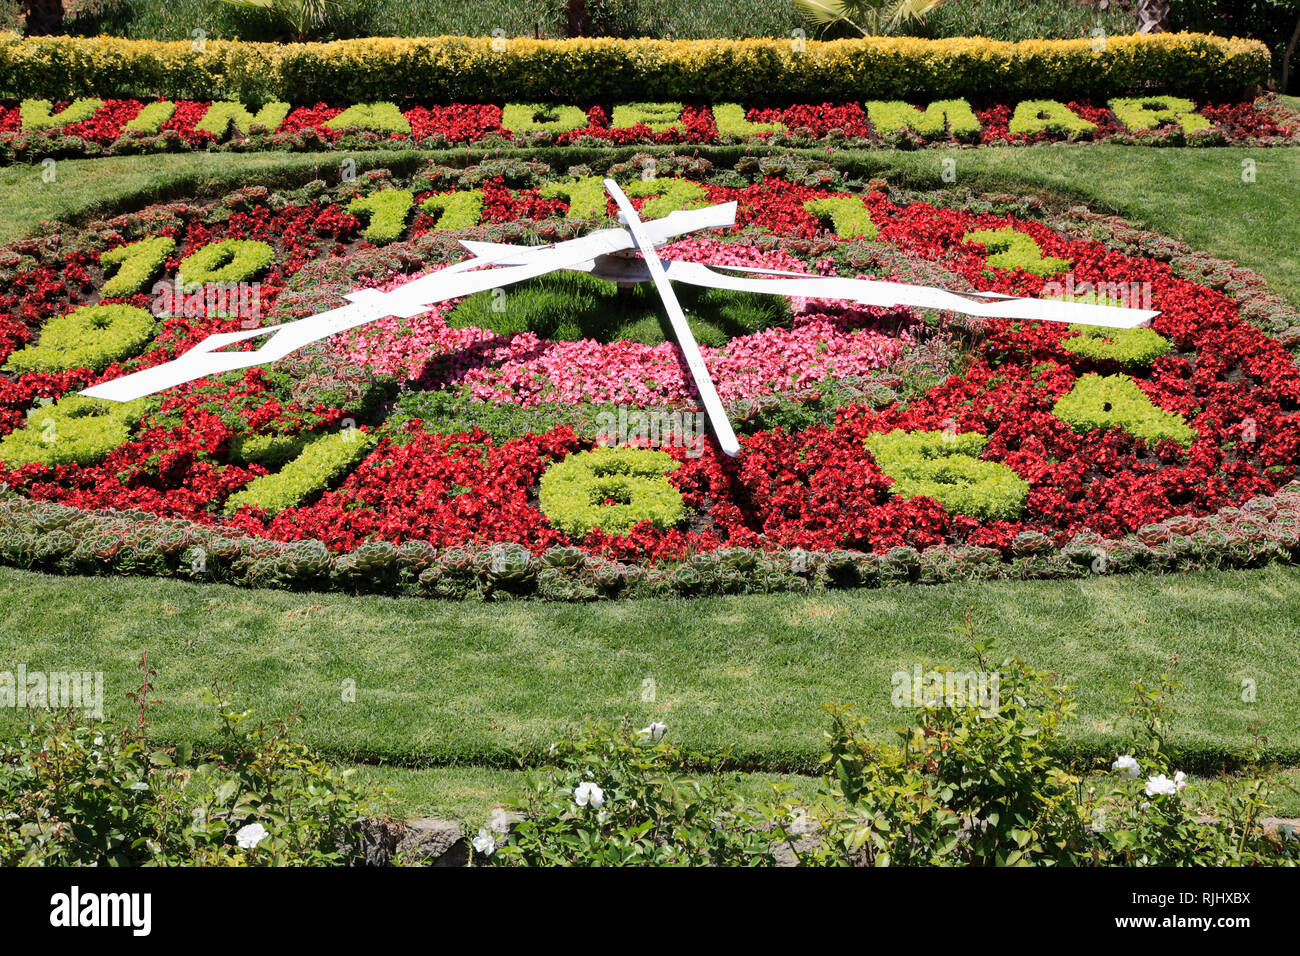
{"x": 694, "y": 360}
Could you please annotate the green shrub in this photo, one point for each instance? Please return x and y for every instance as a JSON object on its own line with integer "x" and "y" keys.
{"x": 756, "y": 72}
{"x": 1134, "y": 348}
{"x": 221, "y": 115}
{"x": 947, "y": 468}
{"x": 1115, "y": 401}
{"x": 38, "y": 114}
{"x": 982, "y": 783}
{"x": 78, "y": 792}
{"x": 226, "y": 262}
{"x": 151, "y": 118}
{"x": 940, "y": 117}
{"x": 458, "y": 210}
{"x": 847, "y": 215}
{"x": 524, "y": 118}
{"x": 659, "y": 117}
{"x": 321, "y": 463}
{"x": 272, "y": 452}
{"x": 1152, "y": 111}
{"x": 92, "y": 336}
{"x": 75, "y": 430}
{"x": 586, "y": 196}
{"x": 624, "y": 798}
{"x": 138, "y": 262}
{"x": 670, "y": 195}
{"x": 382, "y": 117}
{"x": 387, "y": 209}
{"x": 1008, "y": 249}
{"x": 613, "y": 489}
{"x": 730, "y": 120}
{"x": 1048, "y": 116}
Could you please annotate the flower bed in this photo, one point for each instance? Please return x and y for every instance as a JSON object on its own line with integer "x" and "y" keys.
{"x": 553, "y": 446}
{"x": 36, "y": 129}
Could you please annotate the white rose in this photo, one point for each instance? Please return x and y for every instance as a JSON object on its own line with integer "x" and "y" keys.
{"x": 251, "y": 835}
{"x": 484, "y": 842}
{"x": 1128, "y": 766}
{"x": 1180, "y": 780}
{"x": 1160, "y": 786}
{"x": 589, "y": 795}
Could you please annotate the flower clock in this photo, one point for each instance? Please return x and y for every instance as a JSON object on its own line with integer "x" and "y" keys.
{"x": 648, "y": 377}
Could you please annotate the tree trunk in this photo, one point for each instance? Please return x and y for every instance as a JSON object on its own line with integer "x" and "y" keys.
{"x": 1153, "y": 16}
{"x": 1286, "y": 57}
{"x": 44, "y": 17}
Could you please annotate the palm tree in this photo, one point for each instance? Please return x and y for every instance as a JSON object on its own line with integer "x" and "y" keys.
{"x": 301, "y": 18}
{"x": 868, "y": 17}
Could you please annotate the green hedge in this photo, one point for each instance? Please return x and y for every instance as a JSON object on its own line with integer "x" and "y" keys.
{"x": 757, "y": 72}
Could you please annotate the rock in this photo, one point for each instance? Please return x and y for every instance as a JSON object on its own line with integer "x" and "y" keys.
{"x": 377, "y": 839}
{"x": 434, "y": 842}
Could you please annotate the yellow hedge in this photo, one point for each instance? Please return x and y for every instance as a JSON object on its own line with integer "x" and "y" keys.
{"x": 755, "y": 72}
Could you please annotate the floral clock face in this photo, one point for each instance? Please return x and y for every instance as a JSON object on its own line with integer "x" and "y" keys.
{"x": 546, "y": 438}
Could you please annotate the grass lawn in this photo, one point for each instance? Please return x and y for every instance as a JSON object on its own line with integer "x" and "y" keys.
{"x": 449, "y": 683}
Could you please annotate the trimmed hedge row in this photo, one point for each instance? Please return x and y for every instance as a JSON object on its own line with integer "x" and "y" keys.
{"x": 478, "y": 69}
{"x": 56, "y": 538}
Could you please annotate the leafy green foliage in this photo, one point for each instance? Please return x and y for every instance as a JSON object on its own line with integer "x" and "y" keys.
{"x": 613, "y": 489}
{"x": 568, "y": 307}
{"x": 669, "y": 195}
{"x": 1133, "y": 348}
{"x": 622, "y": 798}
{"x": 221, "y": 115}
{"x": 659, "y": 117}
{"x": 1048, "y": 116}
{"x": 74, "y": 430}
{"x": 458, "y": 210}
{"x": 92, "y": 336}
{"x": 955, "y": 116}
{"x": 226, "y": 262}
{"x": 88, "y": 793}
{"x": 730, "y": 121}
{"x": 1115, "y": 401}
{"x": 321, "y": 463}
{"x": 524, "y": 118}
{"x": 984, "y": 785}
{"x": 585, "y": 196}
{"x": 1149, "y": 112}
{"x": 387, "y": 210}
{"x": 382, "y": 117}
{"x": 137, "y": 263}
{"x": 38, "y": 114}
{"x": 151, "y": 118}
{"x": 846, "y": 215}
{"x": 1009, "y": 249}
{"x": 947, "y": 468}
